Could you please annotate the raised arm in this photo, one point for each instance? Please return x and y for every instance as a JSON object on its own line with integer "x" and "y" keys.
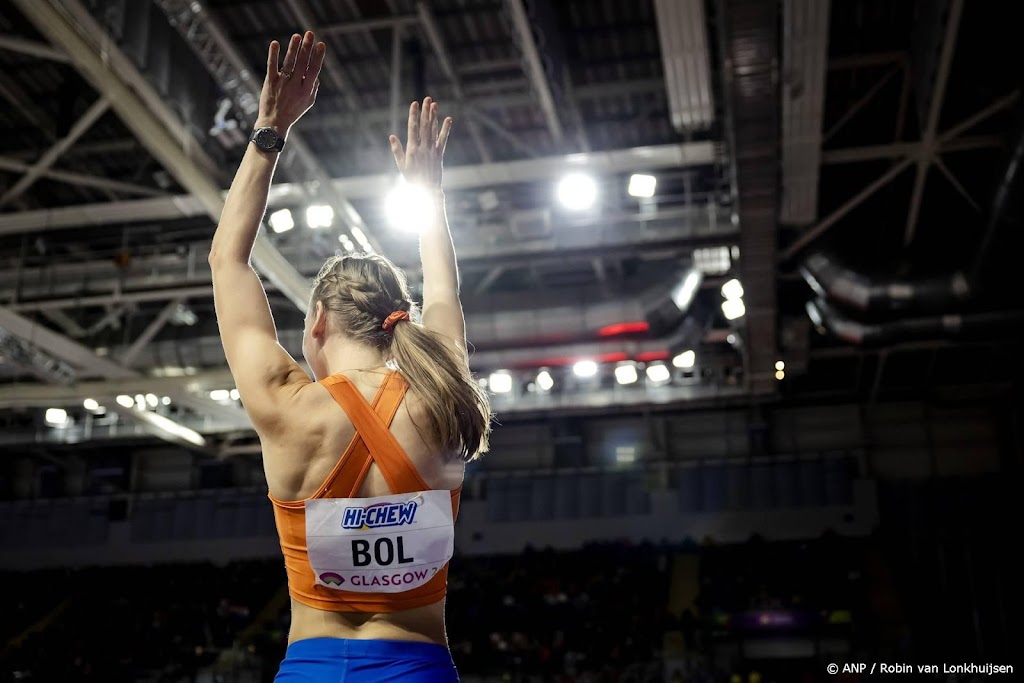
{"x": 264, "y": 373}
{"x": 420, "y": 162}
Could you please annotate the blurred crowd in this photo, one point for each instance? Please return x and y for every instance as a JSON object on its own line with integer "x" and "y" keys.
{"x": 599, "y": 614}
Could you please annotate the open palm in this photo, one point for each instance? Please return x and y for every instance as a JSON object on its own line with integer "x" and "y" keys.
{"x": 420, "y": 161}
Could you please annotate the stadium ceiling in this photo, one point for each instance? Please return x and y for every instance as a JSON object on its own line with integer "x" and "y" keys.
{"x": 878, "y": 134}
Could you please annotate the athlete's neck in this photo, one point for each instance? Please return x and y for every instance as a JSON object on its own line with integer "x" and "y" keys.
{"x": 340, "y": 355}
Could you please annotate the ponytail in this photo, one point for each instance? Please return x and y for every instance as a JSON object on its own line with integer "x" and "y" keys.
{"x": 457, "y": 406}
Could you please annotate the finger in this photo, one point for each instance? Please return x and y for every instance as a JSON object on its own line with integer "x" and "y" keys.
{"x": 316, "y": 62}
{"x": 316, "y": 89}
{"x": 412, "y": 136}
{"x": 292, "y": 54}
{"x": 424, "y": 133}
{"x": 305, "y": 50}
{"x": 442, "y": 137}
{"x": 396, "y": 151}
{"x": 273, "y": 59}
{"x": 435, "y": 125}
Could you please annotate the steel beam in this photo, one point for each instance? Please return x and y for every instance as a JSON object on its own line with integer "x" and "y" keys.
{"x": 32, "y": 49}
{"x": 81, "y": 179}
{"x": 152, "y": 329}
{"x": 957, "y": 185}
{"x": 535, "y": 69}
{"x": 50, "y": 156}
{"x": 928, "y": 138}
{"x": 456, "y": 178}
{"x": 365, "y": 25}
{"x": 899, "y": 150}
{"x": 433, "y": 33}
{"x": 153, "y": 134}
{"x": 813, "y": 233}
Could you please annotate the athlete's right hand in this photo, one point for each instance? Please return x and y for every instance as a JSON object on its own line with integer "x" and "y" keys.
{"x": 420, "y": 161}
{"x": 290, "y": 88}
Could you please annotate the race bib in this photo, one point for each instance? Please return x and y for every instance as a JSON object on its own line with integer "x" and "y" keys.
{"x": 387, "y": 544}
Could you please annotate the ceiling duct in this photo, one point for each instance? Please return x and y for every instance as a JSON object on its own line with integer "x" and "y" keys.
{"x": 832, "y": 281}
{"x": 828, "y": 320}
{"x": 682, "y": 30}
{"x": 842, "y": 285}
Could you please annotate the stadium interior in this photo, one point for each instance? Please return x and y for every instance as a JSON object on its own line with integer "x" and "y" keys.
{"x": 738, "y": 276}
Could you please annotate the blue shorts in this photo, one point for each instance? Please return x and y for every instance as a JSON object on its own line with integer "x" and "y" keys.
{"x": 338, "y": 660}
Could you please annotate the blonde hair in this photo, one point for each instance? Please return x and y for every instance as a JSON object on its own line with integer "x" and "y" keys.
{"x": 360, "y": 292}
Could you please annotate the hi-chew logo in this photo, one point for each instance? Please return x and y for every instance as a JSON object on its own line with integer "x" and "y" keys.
{"x": 379, "y": 515}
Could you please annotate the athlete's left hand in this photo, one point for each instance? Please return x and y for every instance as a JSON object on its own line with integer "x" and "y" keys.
{"x": 290, "y": 88}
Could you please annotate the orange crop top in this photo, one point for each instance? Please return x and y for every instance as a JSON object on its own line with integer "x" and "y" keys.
{"x": 372, "y": 443}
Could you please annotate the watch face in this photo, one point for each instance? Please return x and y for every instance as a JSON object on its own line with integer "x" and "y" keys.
{"x": 266, "y": 138}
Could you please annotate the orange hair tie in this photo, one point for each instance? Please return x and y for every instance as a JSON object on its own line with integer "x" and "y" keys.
{"x": 392, "y": 320}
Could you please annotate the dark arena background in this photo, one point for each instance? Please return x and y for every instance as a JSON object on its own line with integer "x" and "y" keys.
{"x": 743, "y": 279}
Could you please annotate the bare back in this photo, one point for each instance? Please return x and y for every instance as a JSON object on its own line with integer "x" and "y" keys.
{"x": 299, "y": 461}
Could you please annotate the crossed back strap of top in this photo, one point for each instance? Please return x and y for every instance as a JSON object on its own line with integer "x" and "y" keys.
{"x": 371, "y": 425}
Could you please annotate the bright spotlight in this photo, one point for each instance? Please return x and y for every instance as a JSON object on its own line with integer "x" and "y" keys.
{"x": 220, "y": 395}
{"x": 642, "y": 185}
{"x": 625, "y": 373}
{"x": 57, "y": 417}
{"x": 125, "y": 401}
{"x": 780, "y": 365}
{"x": 585, "y": 368}
{"x": 90, "y": 404}
{"x": 500, "y": 382}
{"x": 233, "y": 394}
{"x": 732, "y": 289}
{"x": 346, "y": 242}
{"x": 779, "y": 374}
{"x": 545, "y": 381}
{"x": 658, "y": 372}
{"x": 577, "y": 192}
{"x": 281, "y": 221}
{"x": 140, "y": 401}
{"x": 733, "y": 308}
{"x": 166, "y": 400}
{"x": 152, "y": 400}
{"x": 320, "y": 216}
{"x": 409, "y": 206}
{"x": 685, "y": 360}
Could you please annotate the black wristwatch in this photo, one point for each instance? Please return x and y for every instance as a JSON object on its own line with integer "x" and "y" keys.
{"x": 267, "y": 139}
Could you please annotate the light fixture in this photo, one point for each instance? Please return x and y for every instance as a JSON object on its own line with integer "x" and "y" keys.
{"x": 152, "y": 400}
{"x": 361, "y": 239}
{"x": 166, "y": 400}
{"x": 220, "y": 395}
{"x": 57, "y": 417}
{"x": 90, "y": 404}
{"x": 281, "y": 221}
{"x": 585, "y": 368}
{"x": 732, "y": 289}
{"x": 125, "y": 401}
{"x": 140, "y": 401}
{"x": 625, "y": 454}
{"x": 346, "y": 242}
{"x": 779, "y": 374}
{"x": 658, "y": 373}
{"x": 683, "y": 293}
{"x": 500, "y": 382}
{"x": 319, "y": 216}
{"x": 577, "y": 191}
{"x": 686, "y": 359}
{"x": 625, "y": 372}
{"x": 545, "y": 381}
{"x": 642, "y": 185}
{"x": 733, "y": 308}
{"x": 233, "y": 394}
{"x": 408, "y": 207}
{"x": 168, "y": 426}
{"x": 780, "y": 365}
